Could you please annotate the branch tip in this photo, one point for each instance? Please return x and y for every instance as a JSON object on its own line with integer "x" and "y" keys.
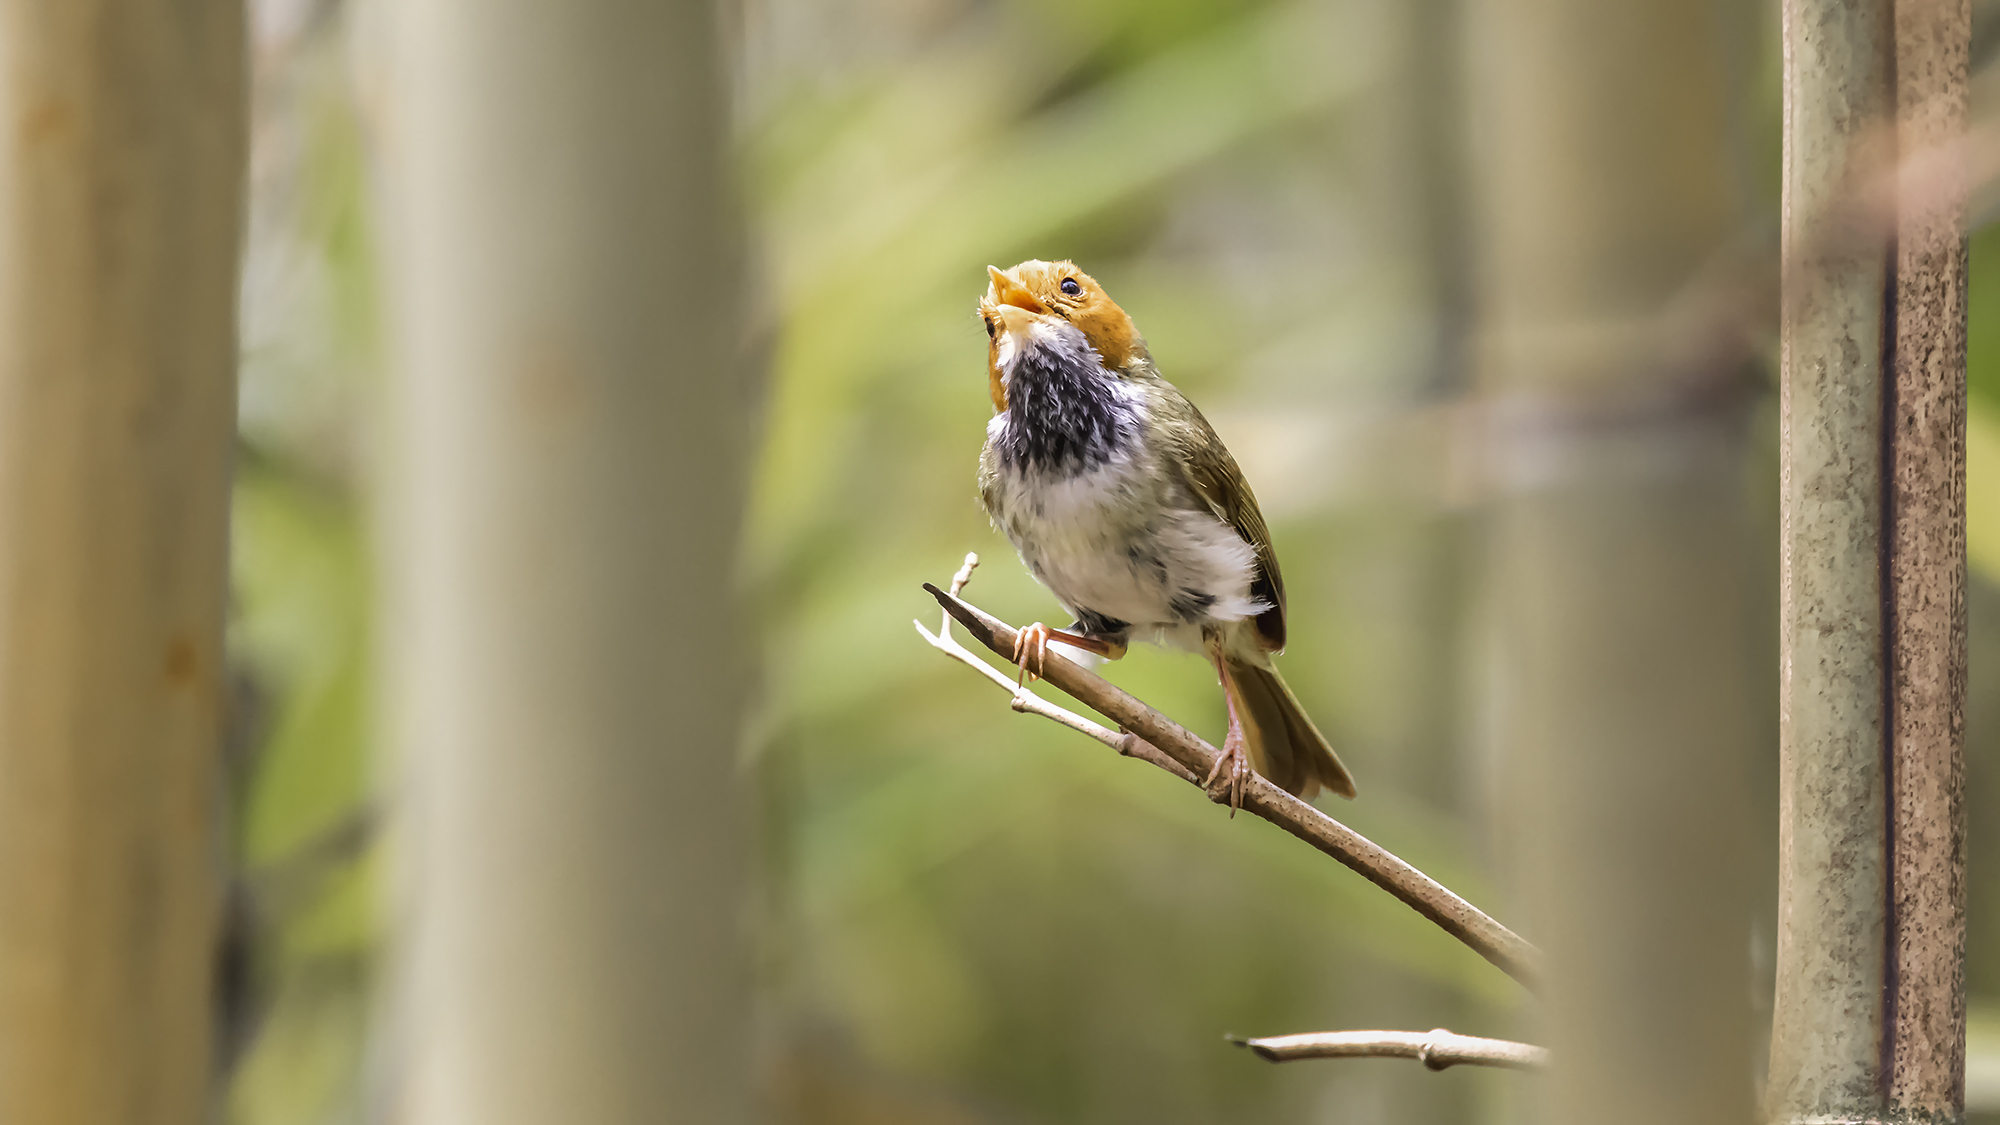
{"x": 964, "y": 574}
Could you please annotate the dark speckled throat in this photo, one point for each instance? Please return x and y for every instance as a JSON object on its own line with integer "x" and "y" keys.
{"x": 1064, "y": 413}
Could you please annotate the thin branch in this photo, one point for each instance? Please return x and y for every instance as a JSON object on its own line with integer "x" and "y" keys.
{"x": 1027, "y": 702}
{"x": 1436, "y": 1049}
{"x": 1171, "y": 746}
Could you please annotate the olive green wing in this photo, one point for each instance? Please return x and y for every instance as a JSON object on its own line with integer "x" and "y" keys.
{"x": 1210, "y": 472}
{"x": 989, "y": 478}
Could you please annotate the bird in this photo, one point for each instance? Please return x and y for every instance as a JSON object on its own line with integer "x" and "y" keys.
{"x": 1123, "y": 502}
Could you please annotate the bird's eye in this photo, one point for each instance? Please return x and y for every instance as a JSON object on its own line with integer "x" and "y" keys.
{"x": 1070, "y": 286}
{"x": 991, "y": 327}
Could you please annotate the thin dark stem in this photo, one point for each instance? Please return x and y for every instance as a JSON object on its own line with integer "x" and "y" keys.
{"x": 1153, "y": 731}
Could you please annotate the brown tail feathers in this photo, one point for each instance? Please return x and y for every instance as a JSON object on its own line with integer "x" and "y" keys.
{"x": 1284, "y": 745}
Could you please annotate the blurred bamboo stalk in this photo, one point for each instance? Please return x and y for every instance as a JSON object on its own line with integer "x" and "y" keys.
{"x": 568, "y": 452}
{"x": 121, "y": 188}
{"x": 1870, "y": 1016}
{"x": 1619, "y": 552}
{"x": 1410, "y": 153}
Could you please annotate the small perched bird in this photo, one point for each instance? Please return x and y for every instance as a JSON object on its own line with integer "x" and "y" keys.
{"x": 1124, "y": 503}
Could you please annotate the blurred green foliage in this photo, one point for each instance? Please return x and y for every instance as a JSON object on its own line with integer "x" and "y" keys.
{"x": 978, "y": 915}
{"x": 968, "y": 915}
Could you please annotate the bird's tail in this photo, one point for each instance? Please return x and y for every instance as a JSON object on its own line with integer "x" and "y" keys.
{"x": 1284, "y": 745}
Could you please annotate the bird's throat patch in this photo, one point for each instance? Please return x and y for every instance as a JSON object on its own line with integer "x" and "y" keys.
{"x": 1065, "y": 413}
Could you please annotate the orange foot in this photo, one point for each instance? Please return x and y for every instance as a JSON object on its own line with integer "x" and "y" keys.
{"x": 1031, "y": 649}
{"x": 1237, "y": 762}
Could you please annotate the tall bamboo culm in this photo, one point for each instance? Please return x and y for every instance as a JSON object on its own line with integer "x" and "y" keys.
{"x": 567, "y": 461}
{"x": 1870, "y": 1017}
{"x": 1618, "y": 573}
{"x": 121, "y": 184}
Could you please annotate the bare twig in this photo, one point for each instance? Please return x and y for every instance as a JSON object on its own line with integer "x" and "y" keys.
{"x": 1029, "y": 703}
{"x": 1171, "y": 746}
{"x": 1436, "y": 1049}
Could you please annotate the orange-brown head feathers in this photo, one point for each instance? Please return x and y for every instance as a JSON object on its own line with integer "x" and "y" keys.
{"x": 1035, "y": 289}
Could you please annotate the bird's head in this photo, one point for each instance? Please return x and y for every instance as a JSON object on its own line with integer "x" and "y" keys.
{"x": 1037, "y": 299}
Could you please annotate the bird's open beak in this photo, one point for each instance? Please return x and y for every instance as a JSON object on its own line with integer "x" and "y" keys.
{"x": 1007, "y": 291}
{"x": 1017, "y": 307}
{"x": 1016, "y": 310}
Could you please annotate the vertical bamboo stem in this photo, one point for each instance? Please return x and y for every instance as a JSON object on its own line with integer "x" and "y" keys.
{"x": 1618, "y": 576}
{"x": 121, "y": 171}
{"x": 1926, "y": 518}
{"x": 1832, "y": 882}
{"x": 568, "y": 462}
{"x": 1870, "y": 1016}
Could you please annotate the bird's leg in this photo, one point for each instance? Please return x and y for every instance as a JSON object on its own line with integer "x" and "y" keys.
{"x": 1235, "y": 754}
{"x": 1031, "y": 649}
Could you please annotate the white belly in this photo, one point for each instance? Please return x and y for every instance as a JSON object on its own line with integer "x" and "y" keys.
{"x": 1121, "y": 541}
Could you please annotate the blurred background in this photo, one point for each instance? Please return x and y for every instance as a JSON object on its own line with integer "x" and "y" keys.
{"x": 964, "y": 915}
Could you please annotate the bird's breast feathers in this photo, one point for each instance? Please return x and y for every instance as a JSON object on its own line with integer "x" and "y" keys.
{"x": 1118, "y": 538}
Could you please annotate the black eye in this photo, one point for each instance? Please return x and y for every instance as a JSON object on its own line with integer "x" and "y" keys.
{"x": 1070, "y": 286}
{"x": 991, "y": 327}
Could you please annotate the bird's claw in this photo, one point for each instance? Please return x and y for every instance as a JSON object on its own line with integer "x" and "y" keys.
{"x": 1031, "y": 652}
{"x": 1238, "y": 763}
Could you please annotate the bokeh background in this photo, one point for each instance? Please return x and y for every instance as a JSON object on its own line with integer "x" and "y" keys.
{"x": 963, "y": 915}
